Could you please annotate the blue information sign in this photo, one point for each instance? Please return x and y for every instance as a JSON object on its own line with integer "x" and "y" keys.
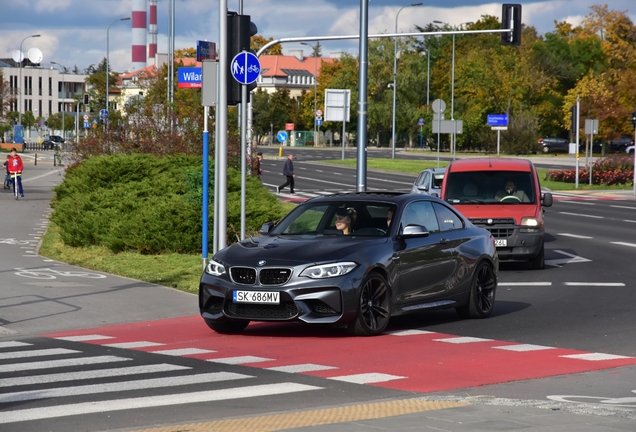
{"x": 87, "y": 125}
{"x": 245, "y": 67}
{"x": 103, "y": 114}
{"x": 497, "y": 119}
{"x": 206, "y": 50}
{"x": 281, "y": 136}
{"x": 421, "y": 122}
{"x": 189, "y": 77}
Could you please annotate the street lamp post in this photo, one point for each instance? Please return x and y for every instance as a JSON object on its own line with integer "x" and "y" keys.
{"x": 395, "y": 77}
{"x": 108, "y": 55}
{"x": 315, "y": 54}
{"x": 62, "y": 68}
{"x": 20, "y": 83}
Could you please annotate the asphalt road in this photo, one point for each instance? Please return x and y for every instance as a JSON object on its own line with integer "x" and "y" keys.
{"x": 563, "y": 334}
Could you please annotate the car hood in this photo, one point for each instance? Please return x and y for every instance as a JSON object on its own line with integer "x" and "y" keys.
{"x": 496, "y": 211}
{"x": 295, "y": 250}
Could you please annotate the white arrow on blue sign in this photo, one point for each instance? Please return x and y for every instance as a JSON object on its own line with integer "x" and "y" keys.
{"x": 103, "y": 114}
{"x": 319, "y": 122}
{"x": 245, "y": 67}
{"x": 281, "y": 136}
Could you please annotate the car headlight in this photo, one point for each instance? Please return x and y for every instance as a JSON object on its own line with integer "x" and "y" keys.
{"x": 323, "y": 271}
{"x": 529, "y": 222}
{"x": 214, "y": 268}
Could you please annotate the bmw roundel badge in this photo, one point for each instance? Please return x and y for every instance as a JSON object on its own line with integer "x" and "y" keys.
{"x": 261, "y": 263}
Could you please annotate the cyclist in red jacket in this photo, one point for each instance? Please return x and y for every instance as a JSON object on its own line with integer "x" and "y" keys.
{"x": 15, "y": 167}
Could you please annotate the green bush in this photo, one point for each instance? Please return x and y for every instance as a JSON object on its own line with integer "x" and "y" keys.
{"x": 150, "y": 204}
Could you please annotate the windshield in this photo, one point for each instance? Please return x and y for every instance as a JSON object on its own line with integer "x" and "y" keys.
{"x": 356, "y": 218}
{"x": 490, "y": 187}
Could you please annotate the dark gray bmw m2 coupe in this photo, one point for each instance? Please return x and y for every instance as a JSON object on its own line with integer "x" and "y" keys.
{"x": 353, "y": 261}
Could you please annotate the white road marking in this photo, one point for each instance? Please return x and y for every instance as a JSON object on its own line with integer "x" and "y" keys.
{"x": 367, "y": 378}
{"x": 36, "y": 353}
{"x": 579, "y": 202}
{"x": 130, "y": 345}
{"x": 409, "y": 332}
{"x": 462, "y": 340}
{"x": 89, "y": 374}
{"x": 524, "y": 283}
{"x": 300, "y": 368}
{"x": 13, "y": 344}
{"x": 582, "y": 215}
{"x": 574, "y": 235}
{"x": 84, "y": 338}
{"x": 605, "y": 284}
{"x": 152, "y": 401}
{"x": 630, "y": 221}
{"x": 624, "y": 244}
{"x": 81, "y": 361}
{"x": 524, "y": 348}
{"x": 121, "y": 386}
{"x": 240, "y": 360}
{"x": 623, "y": 207}
{"x": 595, "y": 356}
{"x": 183, "y": 351}
{"x": 572, "y": 259}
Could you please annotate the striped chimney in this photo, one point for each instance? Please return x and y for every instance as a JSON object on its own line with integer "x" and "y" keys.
{"x": 139, "y": 34}
{"x": 152, "y": 48}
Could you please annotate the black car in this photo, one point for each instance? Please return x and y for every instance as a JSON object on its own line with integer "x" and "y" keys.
{"x": 52, "y": 141}
{"x": 554, "y": 144}
{"x": 620, "y": 144}
{"x": 406, "y": 253}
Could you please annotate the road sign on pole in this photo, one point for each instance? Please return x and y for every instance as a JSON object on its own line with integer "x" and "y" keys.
{"x": 281, "y": 136}
{"x": 103, "y": 114}
{"x": 245, "y": 67}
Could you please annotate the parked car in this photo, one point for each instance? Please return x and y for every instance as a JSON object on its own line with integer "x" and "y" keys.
{"x": 620, "y": 144}
{"x": 429, "y": 182}
{"x": 479, "y": 189}
{"x": 554, "y": 145}
{"x": 406, "y": 253}
{"x": 52, "y": 141}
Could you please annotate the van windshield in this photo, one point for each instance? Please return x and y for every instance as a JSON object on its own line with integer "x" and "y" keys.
{"x": 490, "y": 187}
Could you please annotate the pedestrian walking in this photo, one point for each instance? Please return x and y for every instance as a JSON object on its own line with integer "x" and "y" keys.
{"x": 256, "y": 166}
{"x": 15, "y": 167}
{"x": 288, "y": 171}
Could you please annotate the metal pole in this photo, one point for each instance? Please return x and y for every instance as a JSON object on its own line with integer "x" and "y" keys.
{"x": 498, "y": 140}
{"x": 395, "y": 40}
{"x": 634, "y": 123}
{"x": 428, "y": 77}
{"x": 578, "y": 105}
{"x": 215, "y": 233}
{"x": 243, "y": 156}
{"x": 206, "y": 182}
{"x": 108, "y": 55}
{"x": 453, "y": 99}
{"x": 20, "y": 83}
{"x": 343, "y": 137}
{"x": 591, "y": 152}
{"x": 222, "y": 127}
{"x": 362, "y": 97}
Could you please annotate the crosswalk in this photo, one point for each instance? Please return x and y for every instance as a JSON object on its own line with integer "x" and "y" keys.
{"x": 45, "y": 379}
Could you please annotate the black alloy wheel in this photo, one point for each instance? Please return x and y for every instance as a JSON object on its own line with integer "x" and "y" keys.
{"x": 482, "y": 293}
{"x": 233, "y": 326}
{"x": 373, "y": 313}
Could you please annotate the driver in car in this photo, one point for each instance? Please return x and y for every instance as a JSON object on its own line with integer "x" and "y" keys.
{"x": 511, "y": 194}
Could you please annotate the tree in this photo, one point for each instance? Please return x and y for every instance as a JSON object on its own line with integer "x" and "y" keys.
{"x": 258, "y": 41}
{"x": 185, "y": 53}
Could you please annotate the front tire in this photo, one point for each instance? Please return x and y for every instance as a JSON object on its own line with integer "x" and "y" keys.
{"x": 538, "y": 262}
{"x": 233, "y": 326}
{"x": 373, "y": 312}
{"x": 482, "y": 293}
{"x": 546, "y": 149}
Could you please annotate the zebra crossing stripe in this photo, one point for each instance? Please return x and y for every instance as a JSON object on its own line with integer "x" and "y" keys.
{"x": 131, "y": 345}
{"x": 152, "y": 401}
{"x": 36, "y": 353}
{"x": 91, "y": 374}
{"x": 13, "y": 344}
{"x": 84, "y": 338}
{"x": 121, "y": 386}
{"x": 49, "y": 364}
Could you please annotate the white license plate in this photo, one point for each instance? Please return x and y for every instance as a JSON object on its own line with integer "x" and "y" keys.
{"x": 501, "y": 242}
{"x": 259, "y": 297}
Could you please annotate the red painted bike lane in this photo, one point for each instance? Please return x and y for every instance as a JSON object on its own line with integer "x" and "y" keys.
{"x": 411, "y": 360}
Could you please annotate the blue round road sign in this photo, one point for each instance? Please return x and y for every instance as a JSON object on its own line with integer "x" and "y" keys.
{"x": 245, "y": 67}
{"x": 281, "y": 136}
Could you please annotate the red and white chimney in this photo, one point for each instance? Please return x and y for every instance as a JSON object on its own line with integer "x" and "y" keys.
{"x": 152, "y": 30}
{"x": 139, "y": 31}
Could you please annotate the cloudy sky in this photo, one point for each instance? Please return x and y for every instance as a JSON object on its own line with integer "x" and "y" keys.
{"x": 73, "y": 32}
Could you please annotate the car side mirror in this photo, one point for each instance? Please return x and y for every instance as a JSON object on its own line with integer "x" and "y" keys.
{"x": 546, "y": 199}
{"x": 413, "y": 230}
{"x": 266, "y": 228}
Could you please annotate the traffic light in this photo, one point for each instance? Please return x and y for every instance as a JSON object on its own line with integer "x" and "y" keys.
{"x": 239, "y": 31}
{"x": 511, "y": 20}
{"x": 573, "y": 117}
{"x": 86, "y": 98}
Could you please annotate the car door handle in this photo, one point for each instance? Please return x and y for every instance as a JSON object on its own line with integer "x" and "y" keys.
{"x": 443, "y": 241}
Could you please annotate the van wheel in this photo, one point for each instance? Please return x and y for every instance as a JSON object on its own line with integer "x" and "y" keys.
{"x": 538, "y": 262}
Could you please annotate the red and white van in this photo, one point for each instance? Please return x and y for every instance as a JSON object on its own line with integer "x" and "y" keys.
{"x": 504, "y": 196}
